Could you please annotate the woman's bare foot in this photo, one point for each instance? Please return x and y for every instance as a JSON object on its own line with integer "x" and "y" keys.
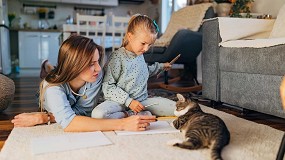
{"x": 45, "y": 69}
{"x": 29, "y": 119}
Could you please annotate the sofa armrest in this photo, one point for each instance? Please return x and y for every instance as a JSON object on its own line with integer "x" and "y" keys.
{"x": 242, "y": 28}
{"x": 210, "y": 59}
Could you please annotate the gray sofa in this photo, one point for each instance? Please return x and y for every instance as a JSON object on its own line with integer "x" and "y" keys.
{"x": 244, "y": 77}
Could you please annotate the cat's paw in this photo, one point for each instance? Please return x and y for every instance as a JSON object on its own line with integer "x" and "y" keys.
{"x": 173, "y": 142}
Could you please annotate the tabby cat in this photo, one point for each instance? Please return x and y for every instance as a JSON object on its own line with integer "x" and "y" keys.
{"x": 201, "y": 130}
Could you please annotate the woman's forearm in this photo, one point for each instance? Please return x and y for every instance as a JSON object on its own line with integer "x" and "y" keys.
{"x": 87, "y": 124}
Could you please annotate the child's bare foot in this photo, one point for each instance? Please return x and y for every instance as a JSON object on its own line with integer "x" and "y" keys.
{"x": 29, "y": 119}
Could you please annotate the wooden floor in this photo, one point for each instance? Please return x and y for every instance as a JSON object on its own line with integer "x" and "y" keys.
{"x": 25, "y": 101}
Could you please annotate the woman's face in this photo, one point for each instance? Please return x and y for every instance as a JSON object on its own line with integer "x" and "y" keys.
{"x": 91, "y": 73}
{"x": 139, "y": 42}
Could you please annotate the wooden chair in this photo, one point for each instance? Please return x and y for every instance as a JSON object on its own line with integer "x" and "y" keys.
{"x": 119, "y": 27}
{"x": 92, "y": 27}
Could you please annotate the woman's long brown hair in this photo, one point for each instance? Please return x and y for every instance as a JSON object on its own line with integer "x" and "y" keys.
{"x": 75, "y": 54}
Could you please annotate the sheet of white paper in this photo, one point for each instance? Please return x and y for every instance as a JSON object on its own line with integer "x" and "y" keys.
{"x": 157, "y": 127}
{"x": 68, "y": 141}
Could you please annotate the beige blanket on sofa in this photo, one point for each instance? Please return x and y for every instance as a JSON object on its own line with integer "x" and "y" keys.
{"x": 247, "y": 33}
{"x": 189, "y": 17}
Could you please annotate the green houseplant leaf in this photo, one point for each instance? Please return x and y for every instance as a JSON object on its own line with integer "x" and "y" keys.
{"x": 241, "y": 6}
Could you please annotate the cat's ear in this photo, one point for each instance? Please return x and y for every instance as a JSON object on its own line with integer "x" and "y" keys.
{"x": 180, "y": 97}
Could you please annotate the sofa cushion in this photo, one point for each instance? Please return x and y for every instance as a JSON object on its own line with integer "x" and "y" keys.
{"x": 267, "y": 61}
{"x": 279, "y": 25}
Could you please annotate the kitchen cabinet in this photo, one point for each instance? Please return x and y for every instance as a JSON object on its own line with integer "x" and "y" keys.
{"x": 109, "y": 2}
{"x": 50, "y": 1}
{"x": 70, "y": 1}
{"x": 34, "y": 47}
{"x": 100, "y": 2}
{"x": 89, "y": 2}
{"x": 41, "y": 1}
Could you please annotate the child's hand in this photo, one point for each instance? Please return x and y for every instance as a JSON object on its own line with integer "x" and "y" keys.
{"x": 136, "y": 106}
{"x": 167, "y": 66}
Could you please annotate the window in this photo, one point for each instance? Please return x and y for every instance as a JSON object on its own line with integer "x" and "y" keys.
{"x": 168, "y": 6}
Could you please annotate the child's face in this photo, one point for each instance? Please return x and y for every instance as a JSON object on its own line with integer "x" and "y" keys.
{"x": 91, "y": 73}
{"x": 140, "y": 41}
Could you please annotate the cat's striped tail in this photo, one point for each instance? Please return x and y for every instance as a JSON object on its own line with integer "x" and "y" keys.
{"x": 216, "y": 154}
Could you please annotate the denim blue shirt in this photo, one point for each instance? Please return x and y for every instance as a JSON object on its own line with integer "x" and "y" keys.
{"x": 64, "y": 106}
{"x": 126, "y": 76}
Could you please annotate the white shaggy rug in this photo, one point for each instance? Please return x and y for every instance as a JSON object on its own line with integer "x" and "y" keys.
{"x": 249, "y": 141}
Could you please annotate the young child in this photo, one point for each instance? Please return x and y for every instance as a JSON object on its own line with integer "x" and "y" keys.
{"x": 126, "y": 75}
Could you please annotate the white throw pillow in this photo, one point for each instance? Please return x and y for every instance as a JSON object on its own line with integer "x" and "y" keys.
{"x": 279, "y": 25}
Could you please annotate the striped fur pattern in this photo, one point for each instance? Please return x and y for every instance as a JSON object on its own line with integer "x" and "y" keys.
{"x": 201, "y": 130}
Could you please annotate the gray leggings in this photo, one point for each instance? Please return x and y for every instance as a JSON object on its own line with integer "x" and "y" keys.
{"x": 111, "y": 109}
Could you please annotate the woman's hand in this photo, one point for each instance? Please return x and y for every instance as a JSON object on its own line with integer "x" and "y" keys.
{"x": 137, "y": 122}
{"x": 136, "y": 106}
{"x": 29, "y": 119}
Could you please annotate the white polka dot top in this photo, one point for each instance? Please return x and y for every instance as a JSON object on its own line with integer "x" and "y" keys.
{"x": 126, "y": 76}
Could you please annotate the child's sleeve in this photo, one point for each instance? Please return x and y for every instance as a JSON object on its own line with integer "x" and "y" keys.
{"x": 155, "y": 68}
{"x": 110, "y": 86}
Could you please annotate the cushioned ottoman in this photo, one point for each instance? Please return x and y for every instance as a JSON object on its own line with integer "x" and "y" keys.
{"x": 7, "y": 90}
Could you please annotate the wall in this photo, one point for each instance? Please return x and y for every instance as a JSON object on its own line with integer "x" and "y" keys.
{"x": 62, "y": 11}
{"x": 267, "y": 6}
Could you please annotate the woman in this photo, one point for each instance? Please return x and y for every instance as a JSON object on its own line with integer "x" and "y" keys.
{"x": 70, "y": 92}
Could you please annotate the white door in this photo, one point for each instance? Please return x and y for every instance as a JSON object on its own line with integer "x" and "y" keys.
{"x": 50, "y": 46}
{"x": 29, "y": 50}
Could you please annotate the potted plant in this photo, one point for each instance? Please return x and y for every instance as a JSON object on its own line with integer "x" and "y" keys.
{"x": 223, "y": 7}
{"x": 42, "y": 13}
{"x": 241, "y": 6}
{"x": 11, "y": 17}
